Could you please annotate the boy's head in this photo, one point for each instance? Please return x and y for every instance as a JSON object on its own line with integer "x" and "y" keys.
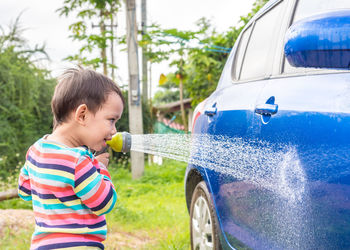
{"x": 90, "y": 100}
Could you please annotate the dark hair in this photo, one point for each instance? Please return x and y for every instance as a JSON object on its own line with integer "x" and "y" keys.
{"x": 78, "y": 86}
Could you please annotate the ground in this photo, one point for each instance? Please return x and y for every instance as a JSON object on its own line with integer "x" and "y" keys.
{"x": 15, "y": 219}
{"x": 19, "y": 219}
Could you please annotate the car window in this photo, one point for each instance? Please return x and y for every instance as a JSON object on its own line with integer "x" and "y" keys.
{"x": 240, "y": 52}
{"x": 258, "y": 58}
{"x": 306, "y": 8}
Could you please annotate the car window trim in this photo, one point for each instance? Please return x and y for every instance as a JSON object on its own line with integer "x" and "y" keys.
{"x": 278, "y": 65}
{"x": 252, "y": 25}
{"x": 310, "y": 73}
{"x": 239, "y": 81}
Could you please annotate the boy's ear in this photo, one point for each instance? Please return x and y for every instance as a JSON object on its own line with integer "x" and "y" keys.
{"x": 80, "y": 114}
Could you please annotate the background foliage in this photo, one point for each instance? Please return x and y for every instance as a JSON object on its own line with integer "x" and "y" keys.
{"x": 204, "y": 66}
{"x": 25, "y": 94}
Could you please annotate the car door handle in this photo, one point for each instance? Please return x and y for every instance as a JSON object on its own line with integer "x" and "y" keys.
{"x": 211, "y": 111}
{"x": 266, "y": 109}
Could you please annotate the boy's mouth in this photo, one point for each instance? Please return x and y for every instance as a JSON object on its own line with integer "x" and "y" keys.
{"x": 107, "y": 139}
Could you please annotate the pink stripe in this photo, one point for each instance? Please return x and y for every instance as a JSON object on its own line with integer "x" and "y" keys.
{"x": 62, "y": 239}
{"x": 26, "y": 185}
{"x": 70, "y": 221}
{"x": 82, "y": 171}
{"x": 62, "y": 162}
{"x": 101, "y": 198}
{"x": 57, "y": 194}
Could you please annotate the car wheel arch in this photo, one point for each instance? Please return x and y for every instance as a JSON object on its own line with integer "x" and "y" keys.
{"x": 193, "y": 178}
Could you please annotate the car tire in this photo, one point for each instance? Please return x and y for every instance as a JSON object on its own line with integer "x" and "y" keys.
{"x": 203, "y": 222}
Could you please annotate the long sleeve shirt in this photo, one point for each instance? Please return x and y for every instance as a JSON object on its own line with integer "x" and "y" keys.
{"x": 70, "y": 192}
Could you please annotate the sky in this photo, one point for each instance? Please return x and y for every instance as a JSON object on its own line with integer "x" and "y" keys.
{"x": 43, "y": 25}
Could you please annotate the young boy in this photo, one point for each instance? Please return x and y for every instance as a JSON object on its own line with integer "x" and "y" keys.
{"x": 70, "y": 188}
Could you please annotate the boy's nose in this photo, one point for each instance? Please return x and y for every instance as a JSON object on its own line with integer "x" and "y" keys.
{"x": 114, "y": 130}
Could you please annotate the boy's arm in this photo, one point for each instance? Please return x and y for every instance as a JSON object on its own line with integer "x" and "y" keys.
{"x": 24, "y": 189}
{"x": 94, "y": 189}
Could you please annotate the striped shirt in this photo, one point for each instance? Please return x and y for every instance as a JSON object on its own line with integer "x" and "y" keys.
{"x": 70, "y": 192}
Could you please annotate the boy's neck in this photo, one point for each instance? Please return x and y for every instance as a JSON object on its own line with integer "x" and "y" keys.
{"x": 65, "y": 134}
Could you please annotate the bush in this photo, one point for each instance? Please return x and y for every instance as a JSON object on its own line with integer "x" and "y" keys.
{"x": 25, "y": 94}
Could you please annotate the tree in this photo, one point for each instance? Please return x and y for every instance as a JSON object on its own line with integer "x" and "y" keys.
{"x": 88, "y": 10}
{"x": 162, "y": 43}
{"x": 25, "y": 95}
{"x": 205, "y": 64}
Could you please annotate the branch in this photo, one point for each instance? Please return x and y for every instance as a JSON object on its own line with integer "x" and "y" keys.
{"x": 9, "y": 194}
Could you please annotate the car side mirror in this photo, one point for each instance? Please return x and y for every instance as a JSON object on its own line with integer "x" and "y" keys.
{"x": 321, "y": 41}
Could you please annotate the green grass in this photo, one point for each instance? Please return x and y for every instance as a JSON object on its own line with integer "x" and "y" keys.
{"x": 151, "y": 210}
{"x": 15, "y": 239}
{"x": 155, "y": 204}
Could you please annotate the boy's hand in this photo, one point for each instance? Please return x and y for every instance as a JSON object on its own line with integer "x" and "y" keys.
{"x": 103, "y": 158}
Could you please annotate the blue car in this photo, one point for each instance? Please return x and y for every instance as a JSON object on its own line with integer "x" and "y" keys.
{"x": 270, "y": 158}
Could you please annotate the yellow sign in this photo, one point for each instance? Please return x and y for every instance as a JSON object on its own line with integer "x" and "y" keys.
{"x": 162, "y": 79}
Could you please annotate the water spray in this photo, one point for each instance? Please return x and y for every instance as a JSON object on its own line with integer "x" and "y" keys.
{"x": 279, "y": 171}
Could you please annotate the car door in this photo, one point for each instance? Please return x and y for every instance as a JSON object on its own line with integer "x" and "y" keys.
{"x": 307, "y": 192}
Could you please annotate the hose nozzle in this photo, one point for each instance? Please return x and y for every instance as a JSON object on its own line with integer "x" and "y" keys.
{"x": 121, "y": 142}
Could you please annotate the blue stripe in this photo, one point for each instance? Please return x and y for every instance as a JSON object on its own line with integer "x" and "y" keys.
{"x": 74, "y": 225}
{"x": 45, "y": 145}
{"x": 113, "y": 202}
{"x": 52, "y": 196}
{"x": 68, "y": 198}
{"x": 26, "y": 198}
{"x": 85, "y": 176}
{"x": 24, "y": 170}
{"x": 25, "y": 190}
{"x": 51, "y": 177}
{"x": 107, "y": 178}
{"x": 43, "y": 196}
{"x": 79, "y": 150}
{"x": 89, "y": 186}
{"x": 50, "y": 166}
{"x": 71, "y": 244}
{"x": 105, "y": 201}
{"x": 102, "y": 232}
{"x": 59, "y": 206}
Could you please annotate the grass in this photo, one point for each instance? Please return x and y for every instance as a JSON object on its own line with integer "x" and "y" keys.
{"x": 151, "y": 212}
{"x": 19, "y": 240}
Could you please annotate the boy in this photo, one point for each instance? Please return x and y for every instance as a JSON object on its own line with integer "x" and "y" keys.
{"x": 69, "y": 187}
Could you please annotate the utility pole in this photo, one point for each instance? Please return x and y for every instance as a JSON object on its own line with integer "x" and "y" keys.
{"x": 135, "y": 108}
{"x": 144, "y": 50}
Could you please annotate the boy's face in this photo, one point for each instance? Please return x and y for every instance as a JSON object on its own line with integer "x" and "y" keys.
{"x": 100, "y": 127}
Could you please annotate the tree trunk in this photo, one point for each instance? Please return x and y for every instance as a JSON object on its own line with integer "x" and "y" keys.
{"x": 112, "y": 45}
{"x": 103, "y": 50}
{"x": 183, "y": 114}
{"x": 9, "y": 194}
